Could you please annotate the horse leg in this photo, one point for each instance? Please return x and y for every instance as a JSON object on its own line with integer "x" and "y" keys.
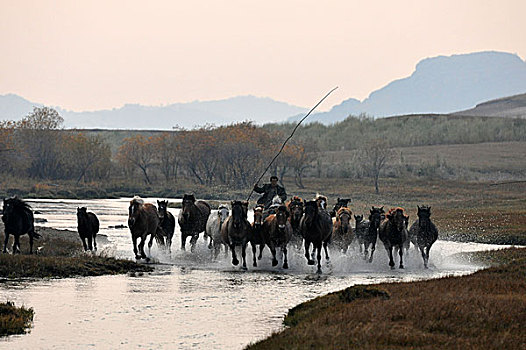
{"x": 285, "y": 261}
{"x": 365, "y": 250}
{"x": 372, "y": 252}
{"x": 193, "y": 241}
{"x": 150, "y": 243}
{"x": 401, "y": 253}
{"x": 95, "y": 242}
{"x": 254, "y": 263}
{"x": 16, "y": 244}
{"x": 141, "y": 248}
{"x": 234, "y": 258}
{"x": 135, "y": 251}
{"x": 273, "y": 251}
{"x": 30, "y": 244}
{"x": 326, "y": 250}
{"x": 6, "y": 241}
{"x": 261, "y": 247}
{"x": 391, "y": 260}
{"x": 210, "y": 243}
{"x": 243, "y": 255}
{"x": 318, "y": 256}
{"x": 183, "y": 241}
{"x": 310, "y": 261}
{"x": 84, "y": 243}
{"x": 90, "y": 242}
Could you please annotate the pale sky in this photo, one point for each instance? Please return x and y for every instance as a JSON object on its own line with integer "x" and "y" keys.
{"x": 90, "y": 55}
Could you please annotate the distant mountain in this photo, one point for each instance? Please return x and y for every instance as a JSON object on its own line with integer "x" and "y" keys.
{"x": 439, "y": 85}
{"x": 512, "y": 107}
{"x": 188, "y": 115}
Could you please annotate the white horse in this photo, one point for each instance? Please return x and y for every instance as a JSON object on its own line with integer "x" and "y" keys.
{"x": 213, "y": 228}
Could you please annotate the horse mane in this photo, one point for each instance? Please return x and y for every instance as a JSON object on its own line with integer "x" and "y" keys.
{"x": 222, "y": 206}
{"x": 137, "y": 200}
{"x": 393, "y": 210}
{"x": 342, "y": 209}
{"x": 18, "y": 203}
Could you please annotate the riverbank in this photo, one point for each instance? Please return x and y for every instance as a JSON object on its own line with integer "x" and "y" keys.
{"x": 59, "y": 254}
{"x": 485, "y": 310}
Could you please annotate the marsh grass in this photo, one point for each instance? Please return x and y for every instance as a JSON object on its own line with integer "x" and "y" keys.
{"x": 14, "y": 320}
{"x": 486, "y": 310}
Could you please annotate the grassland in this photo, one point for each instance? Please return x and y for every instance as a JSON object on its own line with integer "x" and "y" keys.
{"x": 486, "y": 310}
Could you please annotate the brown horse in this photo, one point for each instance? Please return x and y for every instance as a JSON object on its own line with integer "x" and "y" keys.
{"x": 376, "y": 215}
{"x": 423, "y": 233}
{"x": 143, "y": 220}
{"x": 316, "y": 228}
{"x": 295, "y": 207}
{"x": 18, "y": 220}
{"x": 340, "y": 202}
{"x": 236, "y": 230}
{"x": 192, "y": 219}
{"x": 393, "y": 233}
{"x": 277, "y": 232}
{"x": 342, "y": 233}
{"x": 256, "y": 235}
{"x": 166, "y": 221}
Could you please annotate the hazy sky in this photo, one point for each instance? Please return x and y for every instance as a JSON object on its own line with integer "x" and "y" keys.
{"x": 86, "y": 55}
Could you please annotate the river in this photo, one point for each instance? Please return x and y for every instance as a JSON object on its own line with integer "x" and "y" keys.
{"x": 190, "y": 302}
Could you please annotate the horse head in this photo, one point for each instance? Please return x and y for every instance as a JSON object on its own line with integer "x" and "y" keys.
{"x": 258, "y": 215}
{"x": 295, "y": 207}
{"x": 358, "y": 218}
{"x": 398, "y": 218}
{"x": 311, "y": 211}
{"x": 282, "y": 216}
{"x": 82, "y": 212}
{"x": 375, "y": 216}
{"x": 321, "y": 201}
{"x": 344, "y": 216}
{"x": 239, "y": 212}
{"x": 223, "y": 213}
{"x": 188, "y": 205}
{"x": 424, "y": 212}
{"x": 162, "y": 208}
{"x": 134, "y": 210}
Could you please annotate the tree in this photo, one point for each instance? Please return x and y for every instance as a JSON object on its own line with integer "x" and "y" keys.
{"x": 167, "y": 154}
{"x": 374, "y": 156}
{"x": 138, "y": 151}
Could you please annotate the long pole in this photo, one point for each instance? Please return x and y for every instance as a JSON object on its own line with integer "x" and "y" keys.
{"x": 288, "y": 138}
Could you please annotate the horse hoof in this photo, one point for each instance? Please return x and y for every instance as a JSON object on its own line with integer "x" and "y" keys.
{"x": 319, "y": 272}
{"x": 244, "y": 268}
{"x": 147, "y": 259}
{"x": 311, "y": 262}
{"x": 235, "y": 262}
{"x": 401, "y": 266}
{"x": 392, "y": 267}
{"x": 274, "y": 262}
{"x": 255, "y": 264}
{"x": 285, "y": 266}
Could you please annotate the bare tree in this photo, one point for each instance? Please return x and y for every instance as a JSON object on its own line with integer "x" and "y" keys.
{"x": 374, "y": 156}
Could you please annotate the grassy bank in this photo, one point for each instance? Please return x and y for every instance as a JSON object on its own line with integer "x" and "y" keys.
{"x": 60, "y": 254}
{"x": 14, "y": 320}
{"x": 485, "y": 310}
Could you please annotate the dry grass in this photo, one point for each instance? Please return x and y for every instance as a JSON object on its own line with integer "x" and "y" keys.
{"x": 486, "y": 310}
{"x": 14, "y": 320}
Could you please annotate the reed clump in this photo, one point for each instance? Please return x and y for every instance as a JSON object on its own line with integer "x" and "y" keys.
{"x": 14, "y": 320}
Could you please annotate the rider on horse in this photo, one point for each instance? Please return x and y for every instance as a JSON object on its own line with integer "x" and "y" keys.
{"x": 270, "y": 191}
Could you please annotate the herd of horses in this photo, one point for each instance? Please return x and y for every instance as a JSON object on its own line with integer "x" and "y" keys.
{"x": 298, "y": 222}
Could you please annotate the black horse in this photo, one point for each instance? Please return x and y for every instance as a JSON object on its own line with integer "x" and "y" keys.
{"x": 236, "y": 231}
{"x": 18, "y": 220}
{"x": 166, "y": 221}
{"x": 192, "y": 219}
{"x": 393, "y": 233}
{"x": 370, "y": 236}
{"x": 340, "y": 202}
{"x": 316, "y": 228}
{"x": 88, "y": 227}
{"x": 423, "y": 233}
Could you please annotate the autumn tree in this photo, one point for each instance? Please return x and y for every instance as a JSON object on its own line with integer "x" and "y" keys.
{"x": 167, "y": 148}
{"x": 199, "y": 153}
{"x": 86, "y": 156}
{"x": 138, "y": 152}
{"x": 374, "y": 156}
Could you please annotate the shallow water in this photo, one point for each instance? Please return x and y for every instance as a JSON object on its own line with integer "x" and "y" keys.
{"x": 190, "y": 302}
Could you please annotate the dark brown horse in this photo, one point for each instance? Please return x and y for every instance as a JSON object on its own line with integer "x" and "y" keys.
{"x": 166, "y": 221}
{"x": 18, "y": 220}
{"x": 340, "y": 202}
{"x": 143, "y": 220}
{"x": 316, "y": 228}
{"x": 192, "y": 219}
{"x": 393, "y": 233}
{"x": 423, "y": 233}
{"x": 295, "y": 207}
{"x": 256, "y": 235}
{"x": 371, "y": 235}
{"x": 236, "y": 230}
{"x": 277, "y": 232}
{"x": 342, "y": 232}
{"x": 88, "y": 227}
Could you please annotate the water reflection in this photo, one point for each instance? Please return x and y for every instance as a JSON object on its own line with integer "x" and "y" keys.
{"x": 190, "y": 302}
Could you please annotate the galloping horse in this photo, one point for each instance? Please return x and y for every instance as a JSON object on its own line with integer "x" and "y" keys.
{"x": 295, "y": 207}
{"x": 18, "y": 220}
{"x": 393, "y": 233}
{"x": 256, "y": 235}
{"x": 167, "y": 222}
{"x": 277, "y": 232}
{"x": 192, "y": 219}
{"x": 360, "y": 229}
{"x": 342, "y": 233}
{"x": 213, "y": 228}
{"x": 88, "y": 226}
{"x": 423, "y": 233}
{"x": 316, "y": 228}
{"x": 236, "y": 230}
{"x": 370, "y": 236}
{"x": 143, "y": 220}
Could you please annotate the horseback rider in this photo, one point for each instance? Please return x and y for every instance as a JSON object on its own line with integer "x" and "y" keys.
{"x": 270, "y": 191}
